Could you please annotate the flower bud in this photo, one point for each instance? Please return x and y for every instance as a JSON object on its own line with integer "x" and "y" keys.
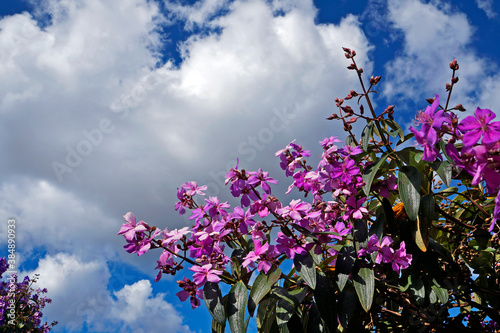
{"x": 353, "y": 93}
{"x": 430, "y": 100}
{"x": 333, "y": 116}
{"x": 389, "y": 109}
{"x": 459, "y": 107}
{"x": 361, "y": 109}
{"x": 351, "y": 67}
{"x": 375, "y": 80}
{"x": 360, "y": 70}
{"x": 448, "y": 87}
{"x": 338, "y": 102}
{"x": 454, "y": 80}
{"x": 454, "y": 65}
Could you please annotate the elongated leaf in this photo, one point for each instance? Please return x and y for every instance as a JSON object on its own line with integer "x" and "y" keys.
{"x": 213, "y": 299}
{"x": 217, "y": 327}
{"x": 344, "y": 264}
{"x": 444, "y": 172}
{"x": 370, "y": 172}
{"x": 262, "y": 285}
{"x": 364, "y": 283}
{"x": 360, "y": 233}
{"x": 423, "y": 224}
{"x": 324, "y": 296}
{"x": 441, "y": 293}
{"x": 377, "y": 227}
{"x": 347, "y": 305}
{"x": 306, "y": 268}
{"x": 409, "y": 190}
{"x": 366, "y": 136}
{"x": 236, "y": 306}
{"x": 397, "y": 130}
{"x": 266, "y": 314}
{"x": 418, "y": 289}
{"x": 288, "y": 303}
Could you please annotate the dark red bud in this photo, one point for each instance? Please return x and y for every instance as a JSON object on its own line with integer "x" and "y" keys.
{"x": 430, "y": 100}
{"x": 333, "y": 116}
{"x": 361, "y": 109}
{"x": 352, "y": 120}
{"x": 351, "y": 67}
{"x": 389, "y": 109}
{"x": 353, "y": 53}
{"x": 348, "y": 97}
{"x": 360, "y": 70}
{"x": 459, "y": 107}
{"x": 353, "y": 93}
{"x": 448, "y": 87}
{"x": 454, "y": 65}
{"x": 454, "y": 80}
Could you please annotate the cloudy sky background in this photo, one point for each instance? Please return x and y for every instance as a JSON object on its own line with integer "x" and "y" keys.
{"x": 108, "y": 106}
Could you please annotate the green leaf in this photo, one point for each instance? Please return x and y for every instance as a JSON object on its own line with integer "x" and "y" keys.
{"x": 360, "y": 233}
{"x": 261, "y": 287}
{"x": 217, "y": 327}
{"x": 266, "y": 314}
{"x": 418, "y": 289}
{"x": 324, "y": 296}
{"x": 443, "y": 169}
{"x": 397, "y": 130}
{"x": 236, "y": 305}
{"x": 370, "y": 173}
{"x": 213, "y": 299}
{"x": 377, "y": 227}
{"x": 421, "y": 228}
{"x": 236, "y": 262}
{"x": 306, "y": 268}
{"x": 366, "y": 136}
{"x": 409, "y": 190}
{"x": 441, "y": 293}
{"x": 364, "y": 283}
{"x": 347, "y": 305}
{"x": 288, "y": 303}
{"x": 448, "y": 191}
{"x": 344, "y": 264}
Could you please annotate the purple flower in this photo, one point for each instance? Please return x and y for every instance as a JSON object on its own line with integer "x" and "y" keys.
{"x": 371, "y": 247}
{"x": 295, "y": 210}
{"x": 479, "y": 125}
{"x": 261, "y": 178}
{"x": 205, "y": 273}
{"x": 192, "y": 188}
{"x": 189, "y": 290}
{"x": 245, "y": 219}
{"x": 345, "y": 170}
{"x": 289, "y": 246}
{"x": 215, "y": 208}
{"x": 130, "y": 229}
{"x": 170, "y": 237}
{"x": 265, "y": 253}
{"x": 401, "y": 260}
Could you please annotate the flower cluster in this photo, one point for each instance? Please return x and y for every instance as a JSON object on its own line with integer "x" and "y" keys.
{"x": 26, "y": 302}
{"x": 370, "y": 186}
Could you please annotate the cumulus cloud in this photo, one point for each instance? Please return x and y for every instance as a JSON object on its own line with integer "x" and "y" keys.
{"x": 487, "y": 7}
{"x": 434, "y": 34}
{"x": 79, "y": 294}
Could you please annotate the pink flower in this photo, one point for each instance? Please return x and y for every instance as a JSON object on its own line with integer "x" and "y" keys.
{"x": 130, "y": 229}
{"x": 205, "y": 273}
{"x": 479, "y": 125}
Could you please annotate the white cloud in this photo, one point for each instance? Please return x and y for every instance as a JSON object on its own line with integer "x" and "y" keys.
{"x": 433, "y": 36}
{"x": 487, "y": 7}
{"x": 79, "y": 294}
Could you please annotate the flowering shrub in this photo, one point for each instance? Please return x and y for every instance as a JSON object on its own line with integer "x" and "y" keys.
{"x": 377, "y": 243}
{"x": 20, "y": 305}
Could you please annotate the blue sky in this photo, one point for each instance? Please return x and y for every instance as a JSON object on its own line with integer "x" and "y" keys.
{"x": 107, "y": 107}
